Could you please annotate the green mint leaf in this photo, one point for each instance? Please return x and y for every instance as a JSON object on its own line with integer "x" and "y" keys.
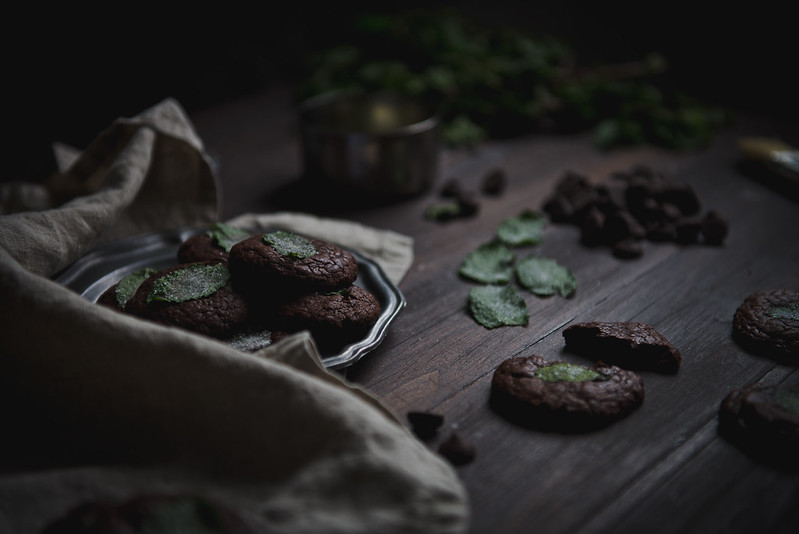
{"x": 290, "y": 244}
{"x": 568, "y": 372}
{"x": 181, "y": 514}
{"x": 788, "y": 398}
{"x": 225, "y": 236}
{"x": 130, "y": 283}
{"x": 443, "y": 211}
{"x": 494, "y": 306}
{"x": 196, "y": 281}
{"x": 788, "y": 311}
{"x": 491, "y": 263}
{"x": 524, "y": 229}
{"x": 545, "y": 277}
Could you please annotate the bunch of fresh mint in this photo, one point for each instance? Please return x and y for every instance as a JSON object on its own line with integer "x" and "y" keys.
{"x": 495, "y": 82}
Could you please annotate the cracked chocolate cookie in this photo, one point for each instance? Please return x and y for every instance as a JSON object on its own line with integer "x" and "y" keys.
{"x": 764, "y": 421}
{"x": 118, "y": 295}
{"x": 197, "y": 296}
{"x": 285, "y": 262}
{"x": 631, "y": 345}
{"x": 535, "y": 392}
{"x": 767, "y": 322}
{"x": 334, "y": 319}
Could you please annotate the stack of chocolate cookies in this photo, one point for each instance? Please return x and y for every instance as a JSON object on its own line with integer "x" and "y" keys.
{"x": 253, "y": 289}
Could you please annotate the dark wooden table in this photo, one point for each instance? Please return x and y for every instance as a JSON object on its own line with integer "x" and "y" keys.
{"x": 664, "y": 468}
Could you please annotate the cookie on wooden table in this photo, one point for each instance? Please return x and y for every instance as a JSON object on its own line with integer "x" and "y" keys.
{"x": 767, "y": 323}
{"x": 764, "y": 421}
{"x": 334, "y": 319}
{"x": 196, "y": 296}
{"x": 631, "y": 345}
{"x": 535, "y": 392}
{"x": 285, "y": 262}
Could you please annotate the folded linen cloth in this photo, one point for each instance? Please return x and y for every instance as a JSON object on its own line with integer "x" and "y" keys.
{"x": 100, "y": 406}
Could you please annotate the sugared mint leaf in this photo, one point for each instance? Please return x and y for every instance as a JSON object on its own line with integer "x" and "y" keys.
{"x": 193, "y": 282}
{"x": 788, "y": 311}
{"x": 491, "y": 263}
{"x": 545, "y": 277}
{"x": 526, "y": 228}
{"x": 250, "y": 341}
{"x": 494, "y": 306}
{"x": 568, "y": 372}
{"x": 788, "y": 398}
{"x": 130, "y": 283}
{"x": 225, "y": 236}
{"x": 290, "y": 244}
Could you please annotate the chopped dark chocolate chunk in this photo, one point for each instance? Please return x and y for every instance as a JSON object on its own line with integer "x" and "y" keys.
{"x": 714, "y": 228}
{"x": 592, "y": 229}
{"x": 622, "y": 225}
{"x": 628, "y": 249}
{"x": 456, "y": 203}
{"x": 559, "y": 208}
{"x": 661, "y": 231}
{"x": 681, "y": 195}
{"x": 637, "y": 203}
{"x": 450, "y": 189}
{"x": 630, "y": 345}
{"x": 425, "y": 425}
{"x": 687, "y": 231}
{"x": 469, "y": 203}
{"x": 494, "y": 182}
{"x": 457, "y": 450}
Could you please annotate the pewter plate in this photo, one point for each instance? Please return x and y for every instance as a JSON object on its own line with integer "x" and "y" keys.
{"x": 91, "y": 275}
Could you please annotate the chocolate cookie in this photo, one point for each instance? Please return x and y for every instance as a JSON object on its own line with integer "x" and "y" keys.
{"x": 214, "y": 244}
{"x": 289, "y": 263}
{"x": 117, "y": 295}
{"x": 535, "y": 392}
{"x": 150, "y": 513}
{"x": 635, "y": 346}
{"x": 200, "y": 247}
{"x": 197, "y": 296}
{"x": 333, "y": 319}
{"x": 768, "y": 323}
{"x": 109, "y": 298}
{"x": 764, "y": 421}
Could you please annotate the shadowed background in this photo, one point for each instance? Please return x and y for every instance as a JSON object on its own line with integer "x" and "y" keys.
{"x": 68, "y": 75}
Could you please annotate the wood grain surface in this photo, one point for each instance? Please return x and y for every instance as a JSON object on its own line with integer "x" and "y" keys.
{"x": 664, "y": 468}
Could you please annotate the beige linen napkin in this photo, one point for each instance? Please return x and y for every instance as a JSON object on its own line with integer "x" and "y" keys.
{"x": 100, "y": 406}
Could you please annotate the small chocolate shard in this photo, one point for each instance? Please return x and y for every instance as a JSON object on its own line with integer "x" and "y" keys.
{"x": 450, "y": 189}
{"x": 687, "y": 231}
